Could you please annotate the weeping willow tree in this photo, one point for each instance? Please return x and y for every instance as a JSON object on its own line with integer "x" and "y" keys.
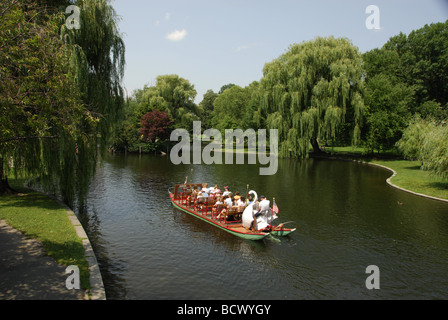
{"x": 98, "y": 61}
{"x": 308, "y": 92}
{"x": 59, "y": 96}
{"x": 426, "y": 140}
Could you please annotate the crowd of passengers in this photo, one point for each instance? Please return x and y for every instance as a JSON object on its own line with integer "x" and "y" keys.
{"x": 222, "y": 201}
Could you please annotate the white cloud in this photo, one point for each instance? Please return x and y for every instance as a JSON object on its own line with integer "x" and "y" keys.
{"x": 241, "y": 48}
{"x": 177, "y": 35}
{"x": 245, "y": 47}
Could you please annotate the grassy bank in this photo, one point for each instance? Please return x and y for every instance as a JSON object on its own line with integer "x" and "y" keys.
{"x": 42, "y": 218}
{"x": 411, "y": 177}
{"x": 409, "y": 174}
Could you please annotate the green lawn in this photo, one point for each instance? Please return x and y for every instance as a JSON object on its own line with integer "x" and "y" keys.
{"x": 411, "y": 177}
{"x": 42, "y": 218}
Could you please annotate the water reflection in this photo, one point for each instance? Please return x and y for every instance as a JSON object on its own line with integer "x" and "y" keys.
{"x": 347, "y": 218}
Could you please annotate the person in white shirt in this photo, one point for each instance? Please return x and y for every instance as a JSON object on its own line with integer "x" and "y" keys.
{"x": 264, "y": 206}
{"x": 228, "y": 201}
{"x": 241, "y": 202}
{"x": 226, "y": 191}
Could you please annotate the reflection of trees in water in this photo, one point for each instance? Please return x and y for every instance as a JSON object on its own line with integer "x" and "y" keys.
{"x": 112, "y": 270}
{"x": 345, "y": 213}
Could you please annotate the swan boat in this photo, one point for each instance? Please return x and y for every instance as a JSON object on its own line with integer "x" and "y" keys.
{"x": 238, "y": 221}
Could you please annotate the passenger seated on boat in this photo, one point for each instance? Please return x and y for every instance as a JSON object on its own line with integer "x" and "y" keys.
{"x": 204, "y": 187}
{"x": 226, "y": 191}
{"x": 241, "y": 202}
{"x": 228, "y": 201}
{"x": 193, "y": 196}
{"x": 216, "y": 190}
{"x": 212, "y": 192}
{"x": 217, "y": 204}
{"x": 202, "y": 198}
{"x": 237, "y": 195}
{"x": 263, "y": 207}
{"x": 227, "y": 204}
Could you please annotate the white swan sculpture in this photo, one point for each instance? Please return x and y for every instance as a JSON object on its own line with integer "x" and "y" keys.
{"x": 263, "y": 221}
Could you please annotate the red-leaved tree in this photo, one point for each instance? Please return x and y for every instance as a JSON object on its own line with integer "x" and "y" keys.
{"x": 155, "y": 125}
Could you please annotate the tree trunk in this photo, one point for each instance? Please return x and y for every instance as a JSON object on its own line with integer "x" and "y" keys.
{"x": 315, "y": 144}
{"x": 4, "y": 184}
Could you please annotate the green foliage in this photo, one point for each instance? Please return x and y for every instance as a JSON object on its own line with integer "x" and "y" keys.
{"x": 427, "y": 141}
{"x": 206, "y": 108}
{"x": 424, "y": 61}
{"x": 389, "y": 108}
{"x": 407, "y": 76}
{"x": 172, "y": 94}
{"x": 98, "y": 60}
{"x": 59, "y": 96}
{"x": 308, "y": 92}
{"x": 229, "y": 108}
{"x": 237, "y": 108}
{"x": 225, "y": 87}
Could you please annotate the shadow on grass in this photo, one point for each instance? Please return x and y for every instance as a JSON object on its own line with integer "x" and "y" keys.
{"x": 443, "y": 186}
{"x": 417, "y": 168}
{"x": 42, "y": 218}
{"x": 28, "y": 273}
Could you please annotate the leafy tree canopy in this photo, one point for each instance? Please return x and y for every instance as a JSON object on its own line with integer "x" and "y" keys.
{"x": 308, "y": 91}
{"x": 172, "y": 94}
{"x": 59, "y": 95}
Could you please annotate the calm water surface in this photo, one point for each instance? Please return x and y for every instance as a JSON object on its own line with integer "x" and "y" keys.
{"x": 347, "y": 218}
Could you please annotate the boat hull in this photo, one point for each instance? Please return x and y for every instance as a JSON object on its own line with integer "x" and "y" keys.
{"x": 235, "y": 230}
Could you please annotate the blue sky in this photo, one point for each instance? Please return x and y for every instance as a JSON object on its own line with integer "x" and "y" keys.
{"x": 212, "y": 43}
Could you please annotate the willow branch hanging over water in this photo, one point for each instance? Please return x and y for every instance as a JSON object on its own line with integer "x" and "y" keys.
{"x": 98, "y": 61}
{"x": 60, "y": 97}
{"x": 309, "y": 91}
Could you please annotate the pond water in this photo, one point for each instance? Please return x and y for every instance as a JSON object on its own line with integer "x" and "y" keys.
{"x": 347, "y": 219}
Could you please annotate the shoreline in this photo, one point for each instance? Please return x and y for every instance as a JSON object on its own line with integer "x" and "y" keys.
{"x": 394, "y": 173}
{"x": 388, "y": 180}
{"x": 96, "y": 290}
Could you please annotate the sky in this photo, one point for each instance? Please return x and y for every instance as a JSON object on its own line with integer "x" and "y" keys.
{"x": 212, "y": 43}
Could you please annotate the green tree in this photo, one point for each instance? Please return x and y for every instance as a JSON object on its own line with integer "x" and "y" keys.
{"x": 230, "y": 108}
{"x": 388, "y": 111}
{"x": 308, "y": 91}
{"x": 225, "y": 87}
{"x": 426, "y": 140}
{"x": 60, "y": 96}
{"x": 43, "y": 122}
{"x": 206, "y": 108}
{"x": 423, "y": 62}
{"x": 98, "y": 61}
{"x": 407, "y": 76}
{"x": 172, "y": 94}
